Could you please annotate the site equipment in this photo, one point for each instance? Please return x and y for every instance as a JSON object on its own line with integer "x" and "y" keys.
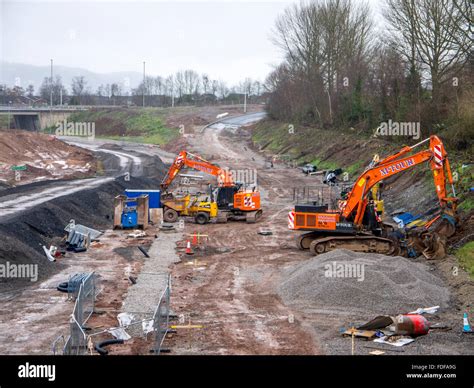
{"x": 188, "y": 206}
{"x": 131, "y": 212}
{"x": 356, "y": 225}
{"x": 233, "y": 201}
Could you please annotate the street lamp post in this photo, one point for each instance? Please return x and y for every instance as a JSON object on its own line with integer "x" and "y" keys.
{"x": 9, "y": 115}
{"x": 143, "y": 83}
{"x": 51, "y": 86}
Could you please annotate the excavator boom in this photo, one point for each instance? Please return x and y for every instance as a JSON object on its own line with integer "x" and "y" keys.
{"x": 392, "y": 165}
{"x": 186, "y": 159}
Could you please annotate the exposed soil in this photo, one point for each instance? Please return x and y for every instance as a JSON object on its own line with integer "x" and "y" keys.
{"x": 44, "y": 156}
{"x": 226, "y": 297}
{"x": 233, "y": 292}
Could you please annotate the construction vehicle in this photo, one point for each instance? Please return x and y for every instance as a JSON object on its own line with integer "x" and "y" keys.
{"x": 188, "y": 206}
{"x": 231, "y": 199}
{"x": 356, "y": 224}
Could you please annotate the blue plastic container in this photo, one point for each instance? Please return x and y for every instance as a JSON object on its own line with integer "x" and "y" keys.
{"x": 129, "y": 219}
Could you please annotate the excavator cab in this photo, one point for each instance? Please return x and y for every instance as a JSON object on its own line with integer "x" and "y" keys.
{"x": 236, "y": 203}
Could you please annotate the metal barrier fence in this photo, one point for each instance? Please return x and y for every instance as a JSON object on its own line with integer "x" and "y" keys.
{"x": 76, "y": 342}
{"x": 161, "y": 318}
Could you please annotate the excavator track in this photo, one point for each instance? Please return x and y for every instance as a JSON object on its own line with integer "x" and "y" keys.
{"x": 253, "y": 217}
{"x": 303, "y": 241}
{"x": 354, "y": 243}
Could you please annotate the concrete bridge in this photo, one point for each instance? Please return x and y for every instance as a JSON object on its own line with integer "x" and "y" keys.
{"x": 35, "y": 119}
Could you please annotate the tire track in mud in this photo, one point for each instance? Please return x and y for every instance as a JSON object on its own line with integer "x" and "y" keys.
{"x": 231, "y": 292}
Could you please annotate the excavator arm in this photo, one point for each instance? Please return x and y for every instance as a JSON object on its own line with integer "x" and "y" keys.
{"x": 436, "y": 155}
{"x": 186, "y": 159}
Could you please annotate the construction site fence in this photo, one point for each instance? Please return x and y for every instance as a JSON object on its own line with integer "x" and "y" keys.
{"x": 76, "y": 342}
{"x": 161, "y": 318}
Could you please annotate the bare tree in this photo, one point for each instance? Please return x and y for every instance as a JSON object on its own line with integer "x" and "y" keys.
{"x": 431, "y": 29}
{"x": 324, "y": 42}
{"x": 78, "y": 88}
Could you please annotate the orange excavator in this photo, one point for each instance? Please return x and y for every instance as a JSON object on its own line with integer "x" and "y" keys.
{"x": 234, "y": 202}
{"x": 356, "y": 224}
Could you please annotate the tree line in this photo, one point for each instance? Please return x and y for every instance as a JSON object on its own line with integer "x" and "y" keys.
{"x": 185, "y": 87}
{"x": 341, "y": 69}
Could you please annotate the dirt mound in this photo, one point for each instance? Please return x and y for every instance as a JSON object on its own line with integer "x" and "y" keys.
{"x": 22, "y": 238}
{"x": 345, "y": 281}
{"x": 44, "y": 156}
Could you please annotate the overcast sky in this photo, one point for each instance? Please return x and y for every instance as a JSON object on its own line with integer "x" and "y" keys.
{"x": 228, "y": 40}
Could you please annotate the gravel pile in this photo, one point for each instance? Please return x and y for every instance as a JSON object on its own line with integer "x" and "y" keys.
{"x": 347, "y": 282}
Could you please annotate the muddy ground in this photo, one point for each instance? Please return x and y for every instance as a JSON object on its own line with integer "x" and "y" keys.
{"x": 228, "y": 288}
{"x": 232, "y": 290}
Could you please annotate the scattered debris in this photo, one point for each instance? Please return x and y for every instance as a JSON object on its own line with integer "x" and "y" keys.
{"x": 142, "y": 250}
{"x": 365, "y": 334}
{"x": 265, "y": 232}
{"x": 377, "y": 352}
{"x": 100, "y": 346}
{"x": 119, "y": 333}
{"x": 167, "y": 227}
{"x": 78, "y": 228}
{"x": 427, "y": 310}
{"x": 137, "y": 234}
{"x": 397, "y": 341}
{"x": 380, "y": 322}
{"x": 80, "y": 236}
{"x": 147, "y": 326}
{"x": 48, "y": 254}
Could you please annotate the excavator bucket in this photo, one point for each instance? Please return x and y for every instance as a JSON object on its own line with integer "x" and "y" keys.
{"x": 435, "y": 246}
{"x": 430, "y": 244}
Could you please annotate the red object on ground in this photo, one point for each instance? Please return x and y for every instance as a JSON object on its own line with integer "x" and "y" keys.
{"x": 189, "y": 251}
{"x": 412, "y": 324}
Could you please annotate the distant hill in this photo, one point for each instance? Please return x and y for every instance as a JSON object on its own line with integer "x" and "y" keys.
{"x": 24, "y": 75}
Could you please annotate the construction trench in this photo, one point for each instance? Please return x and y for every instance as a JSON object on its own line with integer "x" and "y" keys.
{"x": 245, "y": 289}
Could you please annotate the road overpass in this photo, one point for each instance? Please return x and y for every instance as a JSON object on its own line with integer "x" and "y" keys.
{"x": 38, "y": 118}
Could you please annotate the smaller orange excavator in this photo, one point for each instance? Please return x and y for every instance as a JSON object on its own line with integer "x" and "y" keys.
{"x": 234, "y": 202}
{"x": 357, "y": 225}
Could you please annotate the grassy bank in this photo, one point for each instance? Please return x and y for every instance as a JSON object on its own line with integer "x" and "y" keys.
{"x": 352, "y": 150}
{"x": 139, "y": 125}
{"x": 465, "y": 256}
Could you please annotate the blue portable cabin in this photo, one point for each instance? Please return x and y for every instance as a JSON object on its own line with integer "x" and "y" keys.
{"x": 154, "y": 196}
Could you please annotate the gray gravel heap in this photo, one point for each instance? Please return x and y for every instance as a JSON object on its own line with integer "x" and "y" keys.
{"x": 390, "y": 285}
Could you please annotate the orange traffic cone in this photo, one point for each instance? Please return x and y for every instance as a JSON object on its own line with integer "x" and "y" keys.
{"x": 189, "y": 251}
{"x": 195, "y": 239}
